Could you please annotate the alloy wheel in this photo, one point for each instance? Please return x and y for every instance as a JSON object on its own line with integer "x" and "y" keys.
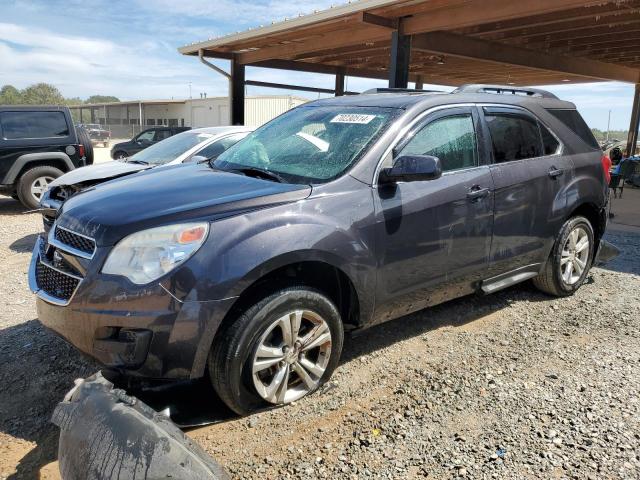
{"x": 39, "y": 186}
{"x": 575, "y": 255}
{"x": 291, "y": 357}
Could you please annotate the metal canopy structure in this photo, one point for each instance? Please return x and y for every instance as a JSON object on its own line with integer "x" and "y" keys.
{"x": 446, "y": 42}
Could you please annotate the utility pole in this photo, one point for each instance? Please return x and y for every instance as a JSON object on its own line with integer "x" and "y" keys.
{"x": 608, "y": 125}
{"x": 190, "y": 90}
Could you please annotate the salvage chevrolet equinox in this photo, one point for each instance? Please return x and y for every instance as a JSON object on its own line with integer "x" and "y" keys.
{"x": 337, "y": 215}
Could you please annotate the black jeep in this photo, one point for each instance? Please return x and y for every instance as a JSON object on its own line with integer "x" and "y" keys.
{"x": 37, "y": 145}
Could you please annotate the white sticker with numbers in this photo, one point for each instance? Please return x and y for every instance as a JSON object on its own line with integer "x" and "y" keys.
{"x": 352, "y": 118}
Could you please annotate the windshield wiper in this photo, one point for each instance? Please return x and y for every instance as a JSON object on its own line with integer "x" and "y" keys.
{"x": 141, "y": 162}
{"x": 259, "y": 173}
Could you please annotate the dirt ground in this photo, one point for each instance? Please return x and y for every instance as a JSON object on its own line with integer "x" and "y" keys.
{"x": 514, "y": 385}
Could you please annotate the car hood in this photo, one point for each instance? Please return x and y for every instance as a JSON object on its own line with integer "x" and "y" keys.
{"x": 103, "y": 171}
{"x": 160, "y": 196}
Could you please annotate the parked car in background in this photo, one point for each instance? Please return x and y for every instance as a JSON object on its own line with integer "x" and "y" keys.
{"x": 193, "y": 145}
{"x": 143, "y": 140}
{"x": 335, "y": 216}
{"x": 37, "y": 145}
{"x": 97, "y": 134}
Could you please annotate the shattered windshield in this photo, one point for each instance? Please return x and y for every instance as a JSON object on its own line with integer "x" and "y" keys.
{"x": 309, "y": 144}
{"x": 169, "y": 149}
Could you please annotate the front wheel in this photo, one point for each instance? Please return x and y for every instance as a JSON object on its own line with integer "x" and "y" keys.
{"x": 570, "y": 259}
{"x": 279, "y": 350}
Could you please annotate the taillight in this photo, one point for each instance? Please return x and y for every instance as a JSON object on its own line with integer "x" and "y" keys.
{"x": 81, "y": 150}
{"x": 606, "y": 166}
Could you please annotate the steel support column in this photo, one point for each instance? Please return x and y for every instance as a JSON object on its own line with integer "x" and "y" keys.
{"x": 236, "y": 93}
{"x": 632, "y": 139}
{"x": 340, "y": 83}
{"x": 400, "y": 57}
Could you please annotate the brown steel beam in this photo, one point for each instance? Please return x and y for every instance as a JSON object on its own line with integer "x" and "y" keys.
{"x": 575, "y": 26}
{"x": 467, "y": 47}
{"x": 236, "y": 94}
{"x": 581, "y": 13}
{"x": 634, "y": 125}
{"x": 391, "y": 23}
{"x": 583, "y": 34}
{"x": 284, "y": 86}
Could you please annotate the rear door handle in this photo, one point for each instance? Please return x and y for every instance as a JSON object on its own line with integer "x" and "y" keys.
{"x": 555, "y": 172}
{"x": 476, "y": 193}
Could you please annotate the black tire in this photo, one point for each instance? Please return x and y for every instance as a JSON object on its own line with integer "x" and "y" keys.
{"x": 83, "y": 139}
{"x": 231, "y": 356}
{"x": 551, "y": 280}
{"x": 28, "y": 178}
{"x": 119, "y": 154}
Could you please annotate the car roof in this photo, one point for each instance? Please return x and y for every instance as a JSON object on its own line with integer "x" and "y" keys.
{"x": 406, "y": 101}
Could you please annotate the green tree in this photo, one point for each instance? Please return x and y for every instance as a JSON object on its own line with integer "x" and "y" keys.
{"x": 42, "y": 94}
{"x": 102, "y": 99}
{"x": 10, "y": 95}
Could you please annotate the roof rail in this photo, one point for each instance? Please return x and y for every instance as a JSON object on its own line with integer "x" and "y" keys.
{"x": 398, "y": 90}
{"x": 505, "y": 90}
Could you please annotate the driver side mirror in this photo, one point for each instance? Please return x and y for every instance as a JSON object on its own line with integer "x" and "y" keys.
{"x": 412, "y": 168}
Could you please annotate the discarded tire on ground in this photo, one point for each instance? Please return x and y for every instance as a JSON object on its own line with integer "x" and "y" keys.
{"x": 105, "y": 434}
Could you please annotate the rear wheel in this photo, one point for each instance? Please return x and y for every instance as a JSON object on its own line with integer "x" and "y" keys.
{"x": 570, "y": 259}
{"x": 119, "y": 155}
{"x": 279, "y": 350}
{"x": 34, "y": 182}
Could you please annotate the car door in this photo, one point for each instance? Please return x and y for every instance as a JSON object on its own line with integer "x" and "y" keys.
{"x": 434, "y": 237}
{"x": 530, "y": 176}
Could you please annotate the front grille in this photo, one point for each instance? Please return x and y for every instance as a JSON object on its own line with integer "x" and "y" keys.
{"x": 76, "y": 241}
{"x": 55, "y": 283}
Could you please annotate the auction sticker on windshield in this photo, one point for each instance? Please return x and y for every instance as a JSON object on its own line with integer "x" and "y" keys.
{"x": 352, "y": 118}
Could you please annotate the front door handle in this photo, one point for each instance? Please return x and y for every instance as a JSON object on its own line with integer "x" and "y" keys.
{"x": 555, "y": 172}
{"x": 476, "y": 193}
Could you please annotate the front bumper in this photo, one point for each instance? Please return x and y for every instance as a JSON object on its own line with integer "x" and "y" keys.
{"x": 140, "y": 330}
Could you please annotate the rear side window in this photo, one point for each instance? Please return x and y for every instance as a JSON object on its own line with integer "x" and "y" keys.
{"x": 451, "y": 139}
{"x": 573, "y": 120}
{"x": 28, "y": 125}
{"x": 514, "y": 137}
{"x": 550, "y": 143}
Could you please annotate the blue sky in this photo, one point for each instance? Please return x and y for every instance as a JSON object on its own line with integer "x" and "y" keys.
{"x": 128, "y": 49}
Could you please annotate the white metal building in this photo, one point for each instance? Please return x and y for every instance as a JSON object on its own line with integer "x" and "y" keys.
{"x": 124, "y": 119}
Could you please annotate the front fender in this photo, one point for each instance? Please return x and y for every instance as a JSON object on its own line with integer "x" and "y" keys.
{"x": 242, "y": 249}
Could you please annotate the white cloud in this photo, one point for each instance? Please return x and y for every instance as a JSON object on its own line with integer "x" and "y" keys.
{"x": 82, "y": 66}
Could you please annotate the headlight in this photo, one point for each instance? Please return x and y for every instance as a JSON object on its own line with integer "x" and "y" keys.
{"x": 145, "y": 256}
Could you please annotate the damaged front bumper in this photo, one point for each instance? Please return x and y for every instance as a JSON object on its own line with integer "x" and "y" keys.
{"x": 105, "y": 433}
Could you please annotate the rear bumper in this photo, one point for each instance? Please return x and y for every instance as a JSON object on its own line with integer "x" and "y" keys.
{"x": 139, "y": 330}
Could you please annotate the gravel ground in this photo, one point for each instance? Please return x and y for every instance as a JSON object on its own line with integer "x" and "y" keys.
{"x": 514, "y": 385}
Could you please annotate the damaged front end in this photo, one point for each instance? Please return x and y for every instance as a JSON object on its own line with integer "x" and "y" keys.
{"x": 105, "y": 434}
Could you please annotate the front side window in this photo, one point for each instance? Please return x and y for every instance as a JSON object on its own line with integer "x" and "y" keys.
{"x": 31, "y": 125}
{"x": 514, "y": 137}
{"x": 310, "y": 144}
{"x": 451, "y": 139}
{"x": 550, "y": 143}
{"x": 170, "y": 149}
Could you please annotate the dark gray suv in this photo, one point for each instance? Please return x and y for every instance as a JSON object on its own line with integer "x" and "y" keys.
{"x": 335, "y": 216}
